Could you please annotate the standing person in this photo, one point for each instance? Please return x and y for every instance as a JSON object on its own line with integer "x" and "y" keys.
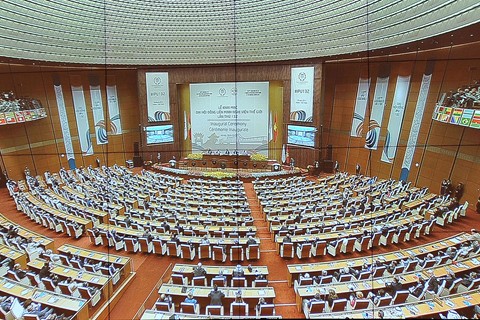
{"x": 357, "y": 169}
{"x": 444, "y": 187}
{"x": 336, "y": 167}
{"x": 216, "y": 296}
{"x": 199, "y": 270}
{"x": 478, "y": 205}
{"x": 459, "y": 191}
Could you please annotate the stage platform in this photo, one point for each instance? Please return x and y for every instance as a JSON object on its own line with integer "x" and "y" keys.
{"x": 245, "y": 175}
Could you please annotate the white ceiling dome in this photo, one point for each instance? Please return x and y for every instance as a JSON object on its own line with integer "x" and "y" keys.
{"x": 177, "y": 32}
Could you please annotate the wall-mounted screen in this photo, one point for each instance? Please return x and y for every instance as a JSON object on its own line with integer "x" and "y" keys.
{"x": 159, "y": 134}
{"x": 230, "y": 115}
{"x": 301, "y": 135}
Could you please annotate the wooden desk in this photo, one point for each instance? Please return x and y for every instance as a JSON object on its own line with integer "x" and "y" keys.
{"x": 419, "y": 309}
{"x": 120, "y": 209}
{"x": 407, "y": 280}
{"x": 228, "y": 242}
{"x": 97, "y": 280}
{"x": 27, "y": 234}
{"x": 15, "y": 255}
{"x": 100, "y": 215}
{"x": 328, "y": 236}
{"x": 119, "y": 261}
{"x": 415, "y": 203}
{"x": 315, "y": 269}
{"x": 212, "y": 271}
{"x": 197, "y": 228}
{"x": 333, "y": 222}
{"x": 249, "y": 295}
{"x": 64, "y": 304}
{"x": 228, "y": 161}
{"x": 151, "y": 314}
{"x": 85, "y": 223}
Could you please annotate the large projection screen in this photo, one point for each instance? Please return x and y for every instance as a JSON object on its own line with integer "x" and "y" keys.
{"x": 229, "y": 116}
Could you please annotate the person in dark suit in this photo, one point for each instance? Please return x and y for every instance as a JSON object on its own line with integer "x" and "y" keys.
{"x": 287, "y": 239}
{"x": 396, "y": 286}
{"x": 238, "y": 271}
{"x": 357, "y": 169}
{"x": 478, "y": 205}
{"x": 44, "y": 271}
{"x": 199, "y": 270}
{"x": 216, "y": 296}
{"x": 432, "y": 284}
{"x": 251, "y": 240}
{"x": 418, "y": 288}
{"x": 459, "y": 191}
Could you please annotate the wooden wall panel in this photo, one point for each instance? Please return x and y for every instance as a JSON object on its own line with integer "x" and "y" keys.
{"x": 442, "y": 150}
{"x": 277, "y": 74}
{"x": 41, "y": 142}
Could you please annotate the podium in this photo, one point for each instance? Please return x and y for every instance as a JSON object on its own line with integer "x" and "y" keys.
{"x": 327, "y": 166}
{"x": 137, "y": 161}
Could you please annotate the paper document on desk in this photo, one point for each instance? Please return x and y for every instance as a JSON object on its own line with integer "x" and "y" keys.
{"x": 8, "y": 285}
{"x": 52, "y": 300}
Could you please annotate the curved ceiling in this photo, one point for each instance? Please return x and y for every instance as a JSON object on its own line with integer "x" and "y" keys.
{"x": 178, "y": 32}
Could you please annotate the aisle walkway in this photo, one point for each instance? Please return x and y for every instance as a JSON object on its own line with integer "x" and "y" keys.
{"x": 277, "y": 268}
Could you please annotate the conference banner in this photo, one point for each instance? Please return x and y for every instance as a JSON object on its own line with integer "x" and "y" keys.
{"x": 158, "y": 100}
{"x": 82, "y": 120}
{"x": 360, "y": 107}
{"x": 113, "y": 110}
{"x": 98, "y": 115}
{"x": 416, "y": 123}
{"x": 396, "y": 119}
{"x": 67, "y": 138}
{"x": 229, "y": 116}
{"x": 301, "y": 94}
{"x": 376, "y": 116}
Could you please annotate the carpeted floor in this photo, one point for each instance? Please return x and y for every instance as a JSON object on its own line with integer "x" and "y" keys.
{"x": 149, "y": 268}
